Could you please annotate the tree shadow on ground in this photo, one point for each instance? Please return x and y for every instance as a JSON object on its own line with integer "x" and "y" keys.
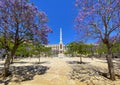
{"x": 76, "y": 62}
{"x": 19, "y": 62}
{"x": 106, "y": 75}
{"x": 86, "y": 72}
{"x": 15, "y": 62}
{"x": 24, "y": 73}
{"x": 89, "y": 73}
{"x": 44, "y": 62}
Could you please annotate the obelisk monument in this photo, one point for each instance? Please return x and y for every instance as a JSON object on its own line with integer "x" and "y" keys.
{"x": 61, "y": 46}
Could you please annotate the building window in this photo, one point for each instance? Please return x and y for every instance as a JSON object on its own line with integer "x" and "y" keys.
{"x": 60, "y": 46}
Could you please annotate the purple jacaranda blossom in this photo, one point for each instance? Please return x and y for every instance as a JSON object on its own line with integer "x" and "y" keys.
{"x": 29, "y": 19}
{"x": 94, "y": 14}
{"x": 1, "y": 4}
{"x": 43, "y": 17}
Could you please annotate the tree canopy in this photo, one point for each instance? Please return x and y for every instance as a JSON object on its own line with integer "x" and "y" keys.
{"x": 98, "y": 18}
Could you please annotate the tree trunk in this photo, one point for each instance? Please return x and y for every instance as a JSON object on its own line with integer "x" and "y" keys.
{"x": 8, "y": 61}
{"x": 11, "y": 61}
{"x": 39, "y": 59}
{"x": 100, "y": 55}
{"x": 110, "y": 63}
{"x": 13, "y": 53}
{"x": 2, "y": 58}
{"x": 113, "y": 56}
{"x": 6, "y": 67}
{"x": 80, "y": 59}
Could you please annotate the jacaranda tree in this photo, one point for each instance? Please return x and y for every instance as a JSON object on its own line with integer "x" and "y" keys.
{"x": 100, "y": 19}
{"x": 20, "y": 21}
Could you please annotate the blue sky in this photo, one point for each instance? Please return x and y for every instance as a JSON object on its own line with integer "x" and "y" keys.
{"x": 61, "y": 13}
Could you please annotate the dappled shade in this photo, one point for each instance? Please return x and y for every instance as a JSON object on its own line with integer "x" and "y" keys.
{"x": 24, "y": 73}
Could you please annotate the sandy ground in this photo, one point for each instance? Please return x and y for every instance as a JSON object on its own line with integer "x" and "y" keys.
{"x": 56, "y": 75}
{"x": 58, "y": 72}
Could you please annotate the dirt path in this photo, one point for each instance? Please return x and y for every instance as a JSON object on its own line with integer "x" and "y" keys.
{"x": 56, "y": 75}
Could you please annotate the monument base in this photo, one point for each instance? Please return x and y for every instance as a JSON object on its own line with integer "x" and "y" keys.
{"x": 61, "y": 55}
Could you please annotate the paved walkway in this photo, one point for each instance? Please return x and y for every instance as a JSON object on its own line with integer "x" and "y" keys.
{"x": 56, "y": 75}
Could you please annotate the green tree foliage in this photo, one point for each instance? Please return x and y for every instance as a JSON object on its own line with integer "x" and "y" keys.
{"x": 79, "y": 49}
{"x": 102, "y": 49}
{"x": 72, "y": 48}
{"x": 25, "y": 49}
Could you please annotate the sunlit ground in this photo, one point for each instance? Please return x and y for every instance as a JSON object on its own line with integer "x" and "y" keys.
{"x": 61, "y": 71}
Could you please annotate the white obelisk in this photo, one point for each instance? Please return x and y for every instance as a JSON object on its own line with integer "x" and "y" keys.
{"x": 61, "y": 46}
{"x": 61, "y": 36}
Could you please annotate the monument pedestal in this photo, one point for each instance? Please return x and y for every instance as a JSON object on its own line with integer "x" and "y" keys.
{"x": 60, "y": 55}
